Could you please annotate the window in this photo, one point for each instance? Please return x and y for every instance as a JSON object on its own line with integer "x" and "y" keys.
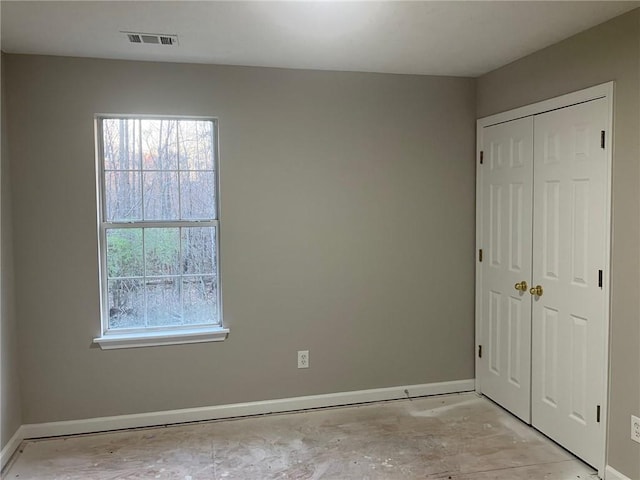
{"x": 158, "y": 231}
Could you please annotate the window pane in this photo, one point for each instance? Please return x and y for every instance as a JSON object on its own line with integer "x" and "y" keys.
{"x": 162, "y": 251}
{"x": 121, "y": 143}
{"x": 197, "y": 195}
{"x": 198, "y": 250}
{"x": 160, "y": 196}
{"x": 195, "y": 144}
{"x": 159, "y": 144}
{"x": 161, "y": 171}
{"x": 124, "y": 253}
{"x": 126, "y": 303}
{"x": 122, "y": 196}
{"x": 200, "y": 298}
{"x": 163, "y": 302}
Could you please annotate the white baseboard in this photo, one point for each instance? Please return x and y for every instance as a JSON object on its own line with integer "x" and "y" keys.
{"x": 103, "y": 424}
{"x": 152, "y": 419}
{"x": 611, "y": 473}
{"x": 11, "y": 447}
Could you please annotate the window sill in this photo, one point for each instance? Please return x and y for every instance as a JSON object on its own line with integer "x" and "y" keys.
{"x": 152, "y": 339}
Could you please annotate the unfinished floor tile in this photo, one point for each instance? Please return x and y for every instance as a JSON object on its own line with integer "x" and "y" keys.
{"x": 461, "y": 437}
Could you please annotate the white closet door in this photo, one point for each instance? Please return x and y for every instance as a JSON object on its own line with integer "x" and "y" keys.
{"x": 507, "y": 175}
{"x": 569, "y": 241}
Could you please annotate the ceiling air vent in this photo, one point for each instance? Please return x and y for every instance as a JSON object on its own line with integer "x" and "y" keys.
{"x": 152, "y": 38}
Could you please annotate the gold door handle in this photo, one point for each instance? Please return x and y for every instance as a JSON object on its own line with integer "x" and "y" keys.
{"x": 521, "y": 286}
{"x": 537, "y": 290}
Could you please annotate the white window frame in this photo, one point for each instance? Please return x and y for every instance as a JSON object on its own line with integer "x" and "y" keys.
{"x": 152, "y": 336}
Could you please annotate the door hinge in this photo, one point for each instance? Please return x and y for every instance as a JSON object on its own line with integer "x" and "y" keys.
{"x": 479, "y": 351}
{"x": 598, "y": 413}
{"x": 600, "y": 278}
{"x": 480, "y": 255}
{"x": 602, "y": 138}
{"x": 481, "y": 157}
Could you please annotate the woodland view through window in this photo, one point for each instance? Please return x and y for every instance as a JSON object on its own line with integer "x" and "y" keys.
{"x": 158, "y": 224}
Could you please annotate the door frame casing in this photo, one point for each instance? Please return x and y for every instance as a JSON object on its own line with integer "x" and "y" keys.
{"x": 606, "y": 91}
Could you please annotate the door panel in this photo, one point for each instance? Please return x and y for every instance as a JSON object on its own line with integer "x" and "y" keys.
{"x": 569, "y": 238}
{"x": 506, "y": 224}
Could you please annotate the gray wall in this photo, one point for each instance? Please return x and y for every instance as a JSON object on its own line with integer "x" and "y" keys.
{"x": 347, "y": 229}
{"x": 10, "y": 411}
{"x": 610, "y": 51}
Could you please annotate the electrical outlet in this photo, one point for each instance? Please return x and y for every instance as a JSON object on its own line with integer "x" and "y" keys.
{"x": 303, "y": 358}
{"x": 635, "y": 428}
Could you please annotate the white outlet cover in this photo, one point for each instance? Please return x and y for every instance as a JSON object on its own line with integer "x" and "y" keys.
{"x": 303, "y": 358}
{"x": 635, "y": 428}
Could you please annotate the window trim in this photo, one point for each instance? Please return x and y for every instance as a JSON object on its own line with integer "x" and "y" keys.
{"x": 153, "y": 336}
{"x": 161, "y": 337}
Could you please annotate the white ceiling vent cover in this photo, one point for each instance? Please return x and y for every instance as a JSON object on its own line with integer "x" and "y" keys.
{"x": 151, "y": 38}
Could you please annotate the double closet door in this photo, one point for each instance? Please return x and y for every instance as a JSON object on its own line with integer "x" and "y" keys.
{"x": 544, "y": 246}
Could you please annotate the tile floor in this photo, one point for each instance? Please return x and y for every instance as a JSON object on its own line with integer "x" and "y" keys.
{"x": 461, "y": 437}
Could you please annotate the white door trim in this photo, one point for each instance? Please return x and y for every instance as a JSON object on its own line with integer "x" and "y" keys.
{"x": 591, "y": 93}
{"x": 605, "y": 90}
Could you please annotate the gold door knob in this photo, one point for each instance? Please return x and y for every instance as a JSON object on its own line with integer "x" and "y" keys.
{"x": 521, "y": 286}
{"x": 537, "y": 290}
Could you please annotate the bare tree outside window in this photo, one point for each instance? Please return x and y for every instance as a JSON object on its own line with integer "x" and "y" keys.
{"x": 159, "y": 223}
